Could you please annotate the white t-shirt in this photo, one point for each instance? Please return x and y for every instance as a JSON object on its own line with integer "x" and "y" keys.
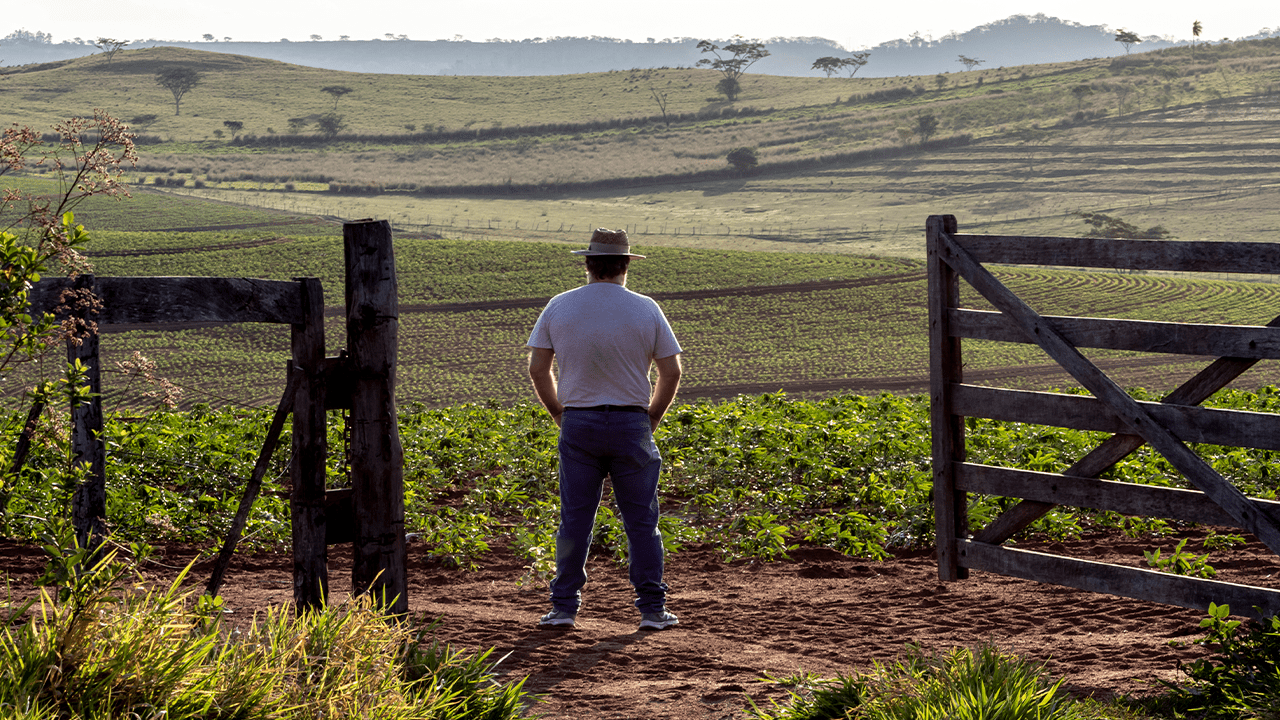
{"x": 604, "y": 337}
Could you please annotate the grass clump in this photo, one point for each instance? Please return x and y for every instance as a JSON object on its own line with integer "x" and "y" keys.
{"x": 107, "y": 646}
{"x": 963, "y": 684}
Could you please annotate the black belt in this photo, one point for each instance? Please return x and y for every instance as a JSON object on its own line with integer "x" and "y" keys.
{"x": 611, "y": 408}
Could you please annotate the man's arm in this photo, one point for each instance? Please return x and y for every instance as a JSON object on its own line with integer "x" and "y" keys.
{"x": 544, "y": 383}
{"x": 664, "y": 392}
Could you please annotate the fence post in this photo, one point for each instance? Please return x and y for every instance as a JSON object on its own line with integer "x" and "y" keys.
{"x": 949, "y": 505}
{"x": 310, "y": 445}
{"x": 89, "y": 503}
{"x": 377, "y": 458}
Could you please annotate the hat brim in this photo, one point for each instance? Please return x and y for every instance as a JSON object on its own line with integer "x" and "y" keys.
{"x": 605, "y": 254}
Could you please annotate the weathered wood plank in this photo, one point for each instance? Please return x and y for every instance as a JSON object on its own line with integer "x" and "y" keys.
{"x": 145, "y": 300}
{"x": 310, "y": 445}
{"x": 1194, "y": 391}
{"x": 251, "y": 488}
{"x": 377, "y": 459}
{"x": 945, "y": 371}
{"x": 1242, "y": 341}
{"x": 1249, "y": 517}
{"x": 1221, "y": 257}
{"x": 1236, "y": 428}
{"x": 1129, "y": 582}
{"x": 1125, "y": 498}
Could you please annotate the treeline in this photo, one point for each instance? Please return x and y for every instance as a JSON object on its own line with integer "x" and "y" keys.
{"x": 493, "y": 133}
{"x": 774, "y": 167}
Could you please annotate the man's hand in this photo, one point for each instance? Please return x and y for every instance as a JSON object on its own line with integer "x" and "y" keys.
{"x": 544, "y": 383}
{"x": 664, "y": 392}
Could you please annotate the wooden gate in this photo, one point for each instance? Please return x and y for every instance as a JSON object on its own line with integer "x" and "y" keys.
{"x": 1167, "y": 425}
{"x": 361, "y": 380}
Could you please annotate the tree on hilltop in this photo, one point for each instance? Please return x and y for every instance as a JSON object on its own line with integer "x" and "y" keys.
{"x": 337, "y": 91}
{"x": 1196, "y": 29}
{"x": 833, "y": 65}
{"x": 1127, "y": 39}
{"x": 970, "y": 63}
{"x": 110, "y": 46}
{"x": 179, "y": 81}
{"x": 743, "y": 54}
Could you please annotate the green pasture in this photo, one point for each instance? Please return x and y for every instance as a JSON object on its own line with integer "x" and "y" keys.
{"x": 1201, "y": 172}
{"x": 807, "y": 323}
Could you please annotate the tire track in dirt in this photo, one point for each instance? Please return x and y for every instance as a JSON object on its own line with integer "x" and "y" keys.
{"x": 746, "y": 291}
{"x": 203, "y": 248}
{"x": 915, "y": 383}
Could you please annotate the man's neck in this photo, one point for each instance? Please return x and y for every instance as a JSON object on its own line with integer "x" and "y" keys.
{"x": 616, "y": 280}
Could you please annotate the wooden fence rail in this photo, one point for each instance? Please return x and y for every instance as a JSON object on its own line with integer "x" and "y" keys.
{"x": 1167, "y": 425}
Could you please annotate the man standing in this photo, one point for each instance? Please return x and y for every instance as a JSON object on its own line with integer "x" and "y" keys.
{"x": 604, "y": 337}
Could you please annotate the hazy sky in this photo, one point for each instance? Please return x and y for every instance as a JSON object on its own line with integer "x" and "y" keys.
{"x": 852, "y": 24}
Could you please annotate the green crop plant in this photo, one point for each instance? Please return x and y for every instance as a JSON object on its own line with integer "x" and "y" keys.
{"x": 1180, "y": 562}
{"x": 1239, "y": 679}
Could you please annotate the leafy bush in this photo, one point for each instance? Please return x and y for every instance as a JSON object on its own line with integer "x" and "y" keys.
{"x": 1241, "y": 681}
{"x": 743, "y": 158}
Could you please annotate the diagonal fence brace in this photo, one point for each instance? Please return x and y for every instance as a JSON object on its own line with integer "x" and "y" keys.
{"x": 1042, "y": 332}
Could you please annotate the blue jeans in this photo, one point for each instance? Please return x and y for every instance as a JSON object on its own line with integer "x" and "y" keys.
{"x": 594, "y": 444}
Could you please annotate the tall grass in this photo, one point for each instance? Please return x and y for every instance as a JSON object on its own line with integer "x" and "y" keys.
{"x": 963, "y": 684}
{"x": 112, "y": 646}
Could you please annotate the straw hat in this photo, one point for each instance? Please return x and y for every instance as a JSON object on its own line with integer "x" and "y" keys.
{"x": 608, "y": 242}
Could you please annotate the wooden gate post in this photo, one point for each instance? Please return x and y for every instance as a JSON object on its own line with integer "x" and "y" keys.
{"x": 945, "y": 369}
{"x": 377, "y": 458}
{"x": 310, "y": 445}
{"x": 89, "y": 503}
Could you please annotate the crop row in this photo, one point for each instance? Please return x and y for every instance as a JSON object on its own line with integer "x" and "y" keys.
{"x": 753, "y": 475}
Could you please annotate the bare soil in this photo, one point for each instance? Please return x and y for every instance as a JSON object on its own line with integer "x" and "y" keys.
{"x": 820, "y": 612}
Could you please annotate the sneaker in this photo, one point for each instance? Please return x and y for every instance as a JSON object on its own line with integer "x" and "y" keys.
{"x": 660, "y": 620}
{"x": 557, "y": 618}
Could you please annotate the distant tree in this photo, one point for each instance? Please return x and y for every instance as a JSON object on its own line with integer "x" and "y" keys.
{"x": 337, "y": 91}
{"x": 297, "y": 125}
{"x": 179, "y": 81}
{"x": 742, "y": 55}
{"x": 142, "y": 121}
{"x": 828, "y": 65}
{"x": 833, "y": 65}
{"x": 226, "y": 39}
{"x": 28, "y": 37}
{"x": 1127, "y": 39}
{"x": 926, "y": 126}
{"x": 661, "y": 99}
{"x": 1123, "y": 91}
{"x": 315, "y": 38}
{"x": 729, "y": 87}
{"x": 1080, "y": 92}
{"x": 235, "y": 126}
{"x": 208, "y": 37}
{"x": 1106, "y": 226}
{"x": 1196, "y": 29}
{"x": 330, "y": 124}
{"x": 344, "y": 38}
{"x": 110, "y": 46}
{"x": 743, "y": 158}
{"x": 941, "y": 81}
{"x": 970, "y": 63}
